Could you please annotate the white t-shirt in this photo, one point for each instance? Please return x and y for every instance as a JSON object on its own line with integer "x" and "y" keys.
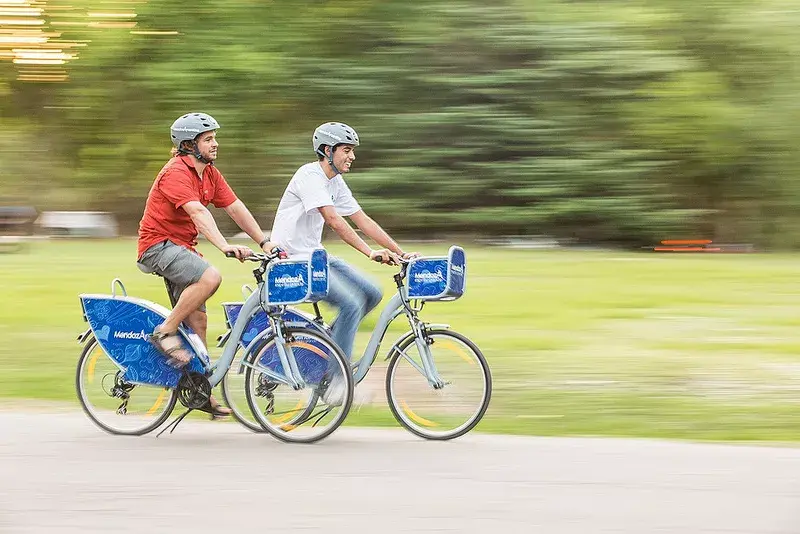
{"x": 298, "y": 223}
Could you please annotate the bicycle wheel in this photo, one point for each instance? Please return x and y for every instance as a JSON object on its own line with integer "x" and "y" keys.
{"x": 308, "y": 414}
{"x": 445, "y": 413}
{"x": 233, "y": 392}
{"x": 113, "y": 404}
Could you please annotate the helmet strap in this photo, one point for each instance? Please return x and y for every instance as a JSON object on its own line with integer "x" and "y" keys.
{"x": 194, "y": 152}
{"x": 199, "y": 156}
{"x": 330, "y": 161}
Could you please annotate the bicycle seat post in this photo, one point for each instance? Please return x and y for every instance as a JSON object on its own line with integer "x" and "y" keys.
{"x": 318, "y": 317}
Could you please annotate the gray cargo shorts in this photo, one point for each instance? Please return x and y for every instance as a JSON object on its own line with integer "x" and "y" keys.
{"x": 179, "y": 266}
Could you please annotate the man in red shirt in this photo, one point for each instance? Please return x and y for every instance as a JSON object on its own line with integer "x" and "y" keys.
{"x": 174, "y": 214}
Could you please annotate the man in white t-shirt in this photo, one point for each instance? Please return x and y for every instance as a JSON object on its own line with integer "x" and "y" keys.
{"x": 318, "y": 195}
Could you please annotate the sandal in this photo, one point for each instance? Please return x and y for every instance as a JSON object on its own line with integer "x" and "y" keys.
{"x": 171, "y": 346}
{"x": 215, "y": 410}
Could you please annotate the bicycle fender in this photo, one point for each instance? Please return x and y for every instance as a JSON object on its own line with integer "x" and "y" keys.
{"x": 83, "y": 336}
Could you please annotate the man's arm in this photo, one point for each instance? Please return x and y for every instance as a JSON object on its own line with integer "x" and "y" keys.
{"x": 349, "y": 236}
{"x": 367, "y": 225}
{"x": 340, "y": 226}
{"x": 206, "y": 225}
{"x": 245, "y": 220}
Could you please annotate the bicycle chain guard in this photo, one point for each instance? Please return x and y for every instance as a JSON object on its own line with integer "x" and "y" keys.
{"x": 194, "y": 390}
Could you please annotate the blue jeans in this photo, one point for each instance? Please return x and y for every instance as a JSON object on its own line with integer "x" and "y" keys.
{"x": 355, "y": 296}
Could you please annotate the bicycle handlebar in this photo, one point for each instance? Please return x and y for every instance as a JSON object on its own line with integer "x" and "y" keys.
{"x": 266, "y": 258}
{"x": 257, "y": 256}
{"x": 379, "y": 259}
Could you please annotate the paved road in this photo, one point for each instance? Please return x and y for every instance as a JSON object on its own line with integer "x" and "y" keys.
{"x": 58, "y": 474}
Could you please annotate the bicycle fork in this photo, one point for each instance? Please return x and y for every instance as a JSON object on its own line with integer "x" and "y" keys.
{"x": 424, "y": 349}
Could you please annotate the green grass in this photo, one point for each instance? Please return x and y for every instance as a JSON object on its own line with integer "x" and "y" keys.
{"x": 580, "y": 343}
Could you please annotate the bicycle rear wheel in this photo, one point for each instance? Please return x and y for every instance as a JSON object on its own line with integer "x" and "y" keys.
{"x": 448, "y": 412}
{"x": 115, "y": 405}
{"x": 233, "y": 392}
{"x": 304, "y": 415}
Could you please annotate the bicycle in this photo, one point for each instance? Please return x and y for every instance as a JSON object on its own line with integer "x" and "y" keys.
{"x": 130, "y": 368}
{"x": 432, "y": 352}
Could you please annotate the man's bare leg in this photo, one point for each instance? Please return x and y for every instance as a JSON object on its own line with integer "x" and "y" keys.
{"x": 198, "y": 321}
{"x": 186, "y": 310}
{"x": 191, "y": 299}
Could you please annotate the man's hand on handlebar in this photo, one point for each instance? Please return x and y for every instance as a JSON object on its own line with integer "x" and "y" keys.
{"x": 410, "y": 255}
{"x": 237, "y": 251}
{"x": 278, "y": 252}
{"x": 385, "y": 256}
{"x": 269, "y": 247}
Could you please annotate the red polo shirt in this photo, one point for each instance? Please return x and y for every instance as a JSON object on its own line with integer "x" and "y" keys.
{"x": 177, "y": 184}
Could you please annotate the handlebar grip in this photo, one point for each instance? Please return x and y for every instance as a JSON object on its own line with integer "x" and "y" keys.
{"x": 230, "y": 254}
{"x": 378, "y": 258}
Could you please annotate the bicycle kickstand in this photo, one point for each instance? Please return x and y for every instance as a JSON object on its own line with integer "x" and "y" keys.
{"x": 174, "y": 424}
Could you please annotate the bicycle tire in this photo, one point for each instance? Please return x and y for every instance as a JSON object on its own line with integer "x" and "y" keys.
{"x": 89, "y": 346}
{"x": 418, "y": 429}
{"x": 227, "y": 396}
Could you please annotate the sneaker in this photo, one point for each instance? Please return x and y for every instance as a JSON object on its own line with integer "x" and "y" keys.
{"x": 364, "y": 394}
{"x": 335, "y": 393}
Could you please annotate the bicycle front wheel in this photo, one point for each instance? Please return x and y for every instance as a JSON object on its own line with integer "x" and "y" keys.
{"x": 311, "y": 412}
{"x": 112, "y": 403}
{"x": 447, "y": 412}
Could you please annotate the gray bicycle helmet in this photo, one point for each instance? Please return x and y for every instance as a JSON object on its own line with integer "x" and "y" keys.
{"x": 332, "y": 134}
{"x": 191, "y": 125}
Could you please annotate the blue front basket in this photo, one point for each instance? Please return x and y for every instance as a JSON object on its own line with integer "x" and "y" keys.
{"x": 437, "y": 278}
{"x": 296, "y": 281}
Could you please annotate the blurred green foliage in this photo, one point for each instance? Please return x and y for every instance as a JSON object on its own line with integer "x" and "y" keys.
{"x": 618, "y": 122}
